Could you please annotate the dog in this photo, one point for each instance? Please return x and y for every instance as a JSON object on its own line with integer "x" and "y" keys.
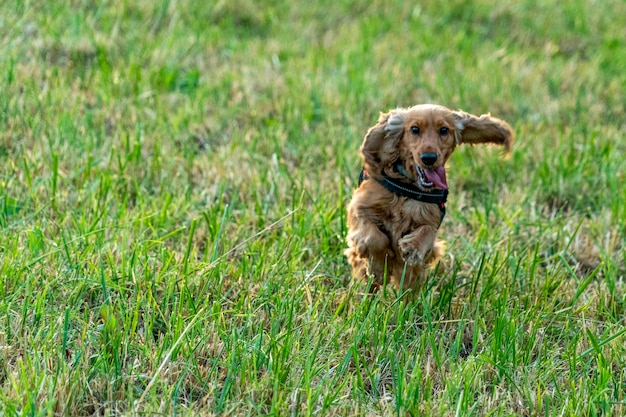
{"x": 395, "y": 212}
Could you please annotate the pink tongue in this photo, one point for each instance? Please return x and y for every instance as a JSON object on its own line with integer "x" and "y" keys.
{"x": 437, "y": 177}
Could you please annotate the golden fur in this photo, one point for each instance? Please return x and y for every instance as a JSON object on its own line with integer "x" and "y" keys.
{"x": 392, "y": 238}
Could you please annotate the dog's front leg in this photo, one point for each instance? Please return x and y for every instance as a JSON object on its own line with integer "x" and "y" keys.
{"x": 417, "y": 245}
{"x": 367, "y": 239}
{"x": 368, "y": 251}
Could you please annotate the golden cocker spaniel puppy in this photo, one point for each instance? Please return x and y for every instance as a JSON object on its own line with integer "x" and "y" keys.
{"x": 400, "y": 202}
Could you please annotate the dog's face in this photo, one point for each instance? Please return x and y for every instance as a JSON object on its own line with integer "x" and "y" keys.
{"x": 416, "y": 142}
{"x": 427, "y": 141}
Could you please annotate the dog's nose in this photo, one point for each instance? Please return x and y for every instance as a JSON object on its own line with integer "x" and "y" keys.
{"x": 428, "y": 158}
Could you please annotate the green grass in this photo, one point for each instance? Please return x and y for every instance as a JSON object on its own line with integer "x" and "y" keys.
{"x": 173, "y": 183}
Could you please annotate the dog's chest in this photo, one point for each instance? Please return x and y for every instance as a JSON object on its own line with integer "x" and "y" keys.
{"x": 410, "y": 214}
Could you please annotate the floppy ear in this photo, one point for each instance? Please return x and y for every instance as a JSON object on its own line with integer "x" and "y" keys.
{"x": 380, "y": 146}
{"x": 484, "y": 129}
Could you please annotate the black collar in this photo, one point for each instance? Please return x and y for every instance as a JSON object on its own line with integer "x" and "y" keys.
{"x": 411, "y": 191}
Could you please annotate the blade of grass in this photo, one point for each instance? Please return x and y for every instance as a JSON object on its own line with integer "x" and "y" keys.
{"x": 166, "y": 360}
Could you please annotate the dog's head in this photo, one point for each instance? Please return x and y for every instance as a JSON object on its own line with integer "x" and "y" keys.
{"x": 416, "y": 142}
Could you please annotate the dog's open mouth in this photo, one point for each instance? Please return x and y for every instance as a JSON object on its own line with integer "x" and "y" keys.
{"x": 428, "y": 178}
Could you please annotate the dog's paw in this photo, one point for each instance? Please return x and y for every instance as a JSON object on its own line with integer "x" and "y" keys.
{"x": 411, "y": 255}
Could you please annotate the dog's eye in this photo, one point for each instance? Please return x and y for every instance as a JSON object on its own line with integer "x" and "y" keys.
{"x": 415, "y": 130}
{"x": 443, "y": 131}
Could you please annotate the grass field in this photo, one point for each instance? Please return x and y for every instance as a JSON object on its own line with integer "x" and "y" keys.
{"x": 173, "y": 183}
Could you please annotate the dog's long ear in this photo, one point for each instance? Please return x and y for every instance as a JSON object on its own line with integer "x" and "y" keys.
{"x": 380, "y": 146}
{"x": 484, "y": 129}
